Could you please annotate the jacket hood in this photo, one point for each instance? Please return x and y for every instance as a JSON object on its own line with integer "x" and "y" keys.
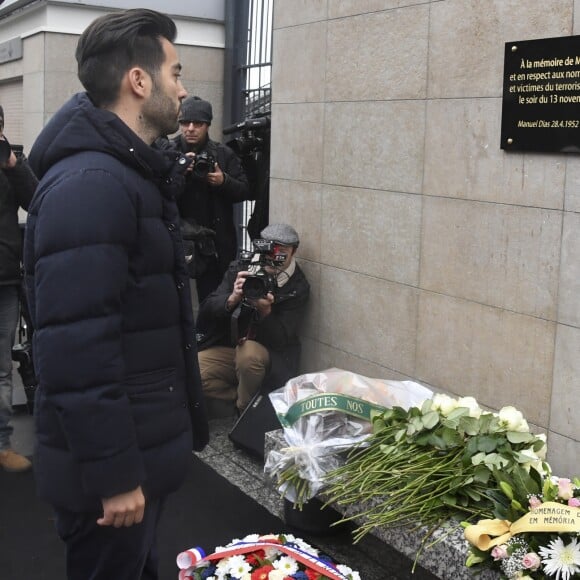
{"x": 80, "y": 126}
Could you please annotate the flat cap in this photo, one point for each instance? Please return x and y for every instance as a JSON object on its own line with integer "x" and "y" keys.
{"x": 281, "y": 233}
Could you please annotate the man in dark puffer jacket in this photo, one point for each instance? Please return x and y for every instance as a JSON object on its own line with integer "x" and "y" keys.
{"x": 119, "y": 404}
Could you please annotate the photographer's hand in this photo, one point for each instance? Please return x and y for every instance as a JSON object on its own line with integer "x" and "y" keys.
{"x": 264, "y": 305}
{"x": 189, "y": 169}
{"x": 237, "y": 292}
{"x": 216, "y": 178}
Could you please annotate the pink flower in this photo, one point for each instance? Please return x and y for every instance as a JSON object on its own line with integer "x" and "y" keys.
{"x": 531, "y": 561}
{"x": 535, "y": 501}
{"x": 565, "y": 488}
{"x": 499, "y": 552}
{"x": 574, "y": 502}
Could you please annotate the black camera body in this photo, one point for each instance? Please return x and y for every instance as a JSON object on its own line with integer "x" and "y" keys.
{"x": 203, "y": 164}
{"x": 260, "y": 282}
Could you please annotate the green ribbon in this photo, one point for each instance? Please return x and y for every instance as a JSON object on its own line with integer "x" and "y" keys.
{"x": 329, "y": 402}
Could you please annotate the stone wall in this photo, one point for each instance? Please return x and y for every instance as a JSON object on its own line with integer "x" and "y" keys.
{"x": 433, "y": 254}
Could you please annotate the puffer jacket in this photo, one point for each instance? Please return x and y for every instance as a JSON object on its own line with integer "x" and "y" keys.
{"x": 119, "y": 400}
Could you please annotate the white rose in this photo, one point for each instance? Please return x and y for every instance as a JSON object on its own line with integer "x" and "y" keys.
{"x": 513, "y": 420}
{"x": 444, "y": 404}
{"x": 472, "y": 405}
{"x": 543, "y": 450}
{"x": 276, "y": 575}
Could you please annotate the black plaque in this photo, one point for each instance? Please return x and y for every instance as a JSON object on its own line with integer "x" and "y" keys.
{"x": 541, "y": 95}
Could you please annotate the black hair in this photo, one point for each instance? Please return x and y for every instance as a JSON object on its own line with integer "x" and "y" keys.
{"x": 114, "y": 43}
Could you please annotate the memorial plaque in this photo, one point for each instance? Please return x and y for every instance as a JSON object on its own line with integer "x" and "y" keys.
{"x": 541, "y": 95}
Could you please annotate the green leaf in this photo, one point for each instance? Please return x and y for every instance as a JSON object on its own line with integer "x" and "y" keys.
{"x": 434, "y": 440}
{"x": 387, "y": 449}
{"x": 519, "y": 437}
{"x": 430, "y": 419}
{"x": 473, "y": 559}
{"x": 449, "y": 499}
{"x": 486, "y": 443}
{"x": 481, "y": 474}
{"x": 478, "y": 458}
{"x": 451, "y": 437}
{"x": 469, "y": 425}
{"x": 456, "y": 414}
{"x": 474, "y": 495}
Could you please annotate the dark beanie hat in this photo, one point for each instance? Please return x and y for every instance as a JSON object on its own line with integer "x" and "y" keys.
{"x": 195, "y": 109}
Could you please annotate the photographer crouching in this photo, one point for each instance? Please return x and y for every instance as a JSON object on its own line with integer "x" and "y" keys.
{"x": 249, "y": 325}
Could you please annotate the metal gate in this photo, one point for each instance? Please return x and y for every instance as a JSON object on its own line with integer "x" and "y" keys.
{"x": 247, "y": 103}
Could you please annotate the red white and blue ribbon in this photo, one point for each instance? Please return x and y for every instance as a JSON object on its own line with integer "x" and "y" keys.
{"x": 301, "y": 556}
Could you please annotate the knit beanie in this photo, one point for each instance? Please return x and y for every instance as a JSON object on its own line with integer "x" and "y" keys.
{"x": 195, "y": 109}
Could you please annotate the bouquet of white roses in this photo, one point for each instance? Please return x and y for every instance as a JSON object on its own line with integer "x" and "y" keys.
{"x": 428, "y": 464}
{"x": 323, "y": 415}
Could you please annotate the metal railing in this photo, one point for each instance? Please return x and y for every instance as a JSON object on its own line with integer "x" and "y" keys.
{"x": 248, "y": 77}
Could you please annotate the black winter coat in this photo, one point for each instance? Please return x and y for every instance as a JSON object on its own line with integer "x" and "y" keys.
{"x": 17, "y": 187}
{"x": 114, "y": 341}
{"x": 213, "y": 207}
{"x": 278, "y": 331}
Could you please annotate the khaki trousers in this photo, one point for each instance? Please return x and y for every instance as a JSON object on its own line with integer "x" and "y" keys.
{"x": 233, "y": 374}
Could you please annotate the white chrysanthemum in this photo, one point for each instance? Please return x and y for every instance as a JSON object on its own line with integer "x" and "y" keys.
{"x": 286, "y": 564}
{"x": 251, "y": 538}
{"x": 560, "y": 559}
{"x": 348, "y": 572}
{"x": 237, "y": 566}
{"x": 223, "y": 564}
{"x": 513, "y": 420}
{"x": 444, "y": 404}
{"x": 471, "y": 404}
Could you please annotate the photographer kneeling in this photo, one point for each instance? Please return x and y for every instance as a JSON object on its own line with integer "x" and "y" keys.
{"x": 249, "y": 325}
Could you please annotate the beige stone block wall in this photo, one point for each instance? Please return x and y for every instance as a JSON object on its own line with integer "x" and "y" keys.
{"x": 433, "y": 254}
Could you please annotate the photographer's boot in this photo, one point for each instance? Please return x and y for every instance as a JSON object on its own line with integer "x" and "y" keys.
{"x": 14, "y": 462}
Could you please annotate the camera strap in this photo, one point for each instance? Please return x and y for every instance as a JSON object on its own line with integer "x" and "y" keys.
{"x": 237, "y": 320}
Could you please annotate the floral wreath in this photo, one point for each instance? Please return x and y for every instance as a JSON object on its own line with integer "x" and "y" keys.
{"x": 256, "y": 557}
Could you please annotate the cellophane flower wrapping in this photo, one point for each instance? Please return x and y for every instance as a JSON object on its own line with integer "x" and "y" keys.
{"x": 324, "y": 414}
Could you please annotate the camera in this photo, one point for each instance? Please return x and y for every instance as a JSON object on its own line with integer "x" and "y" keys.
{"x": 203, "y": 164}
{"x": 260, "y": 281}
{"x": 22, "y": 354}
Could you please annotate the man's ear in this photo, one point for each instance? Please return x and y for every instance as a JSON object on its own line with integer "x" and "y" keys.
{"x": 139, "y": 81}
